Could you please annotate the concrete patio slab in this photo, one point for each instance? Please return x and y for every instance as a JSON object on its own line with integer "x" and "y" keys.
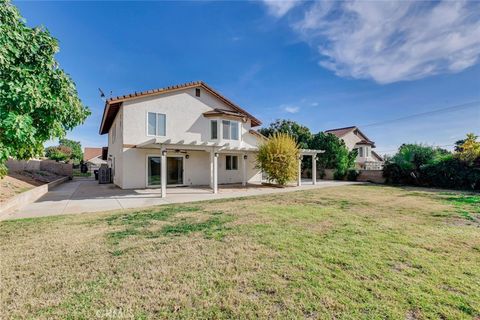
{"x": 83, "y": 196}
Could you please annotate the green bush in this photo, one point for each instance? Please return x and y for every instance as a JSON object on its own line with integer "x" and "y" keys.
{"x": 431, "y": 167}
{"x": 352, "y": 174}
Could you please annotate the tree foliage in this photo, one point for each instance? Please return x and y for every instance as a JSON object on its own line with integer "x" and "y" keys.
{"x": 417, "y": 164}
{"x": 76, "y": 149}
{"x": 301, "y": 134}
{"x": 336, "y": 155}
{"x": 38, "y": 100}
{"x": 58, "y": 153}
{"x": 469, "y": 150}
{"x": 278, "y": 158}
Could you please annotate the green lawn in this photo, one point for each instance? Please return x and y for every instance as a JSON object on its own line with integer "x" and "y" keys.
{"x": 354, "y": 252}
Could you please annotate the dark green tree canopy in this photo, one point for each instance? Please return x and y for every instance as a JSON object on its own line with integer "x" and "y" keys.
{"x": 38, "y": 100}
{"x": 301, "y": 134}
{"x": 76, "y": 148}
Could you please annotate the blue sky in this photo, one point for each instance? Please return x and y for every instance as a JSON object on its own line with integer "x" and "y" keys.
{"x": 325, "y": 65}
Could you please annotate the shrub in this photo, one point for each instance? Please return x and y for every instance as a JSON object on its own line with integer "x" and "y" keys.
{"x": 431, "y": 167}
{"x": 278, "y": 158}
{"x": 352, "y": 174}
{"x": 58, "y": 153}
{"x": 336, "y": 155}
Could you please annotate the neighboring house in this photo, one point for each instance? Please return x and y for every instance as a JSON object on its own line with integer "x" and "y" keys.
{"x": 92, "y": 157}
{"x": 356, "y": 139}
{"x": 184, "y": 135}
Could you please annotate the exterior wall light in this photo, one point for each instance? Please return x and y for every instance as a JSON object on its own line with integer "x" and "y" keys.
{"x": 187, "y": 156}
{"x": 164, "y": 153}
{"x": 245, "y": 157}
{"x": 216, "y": 154}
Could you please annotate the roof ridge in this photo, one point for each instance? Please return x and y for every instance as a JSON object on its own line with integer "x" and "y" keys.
{"x": 336, "y": 129}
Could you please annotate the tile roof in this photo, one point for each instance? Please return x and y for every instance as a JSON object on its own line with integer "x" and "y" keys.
{"x": 90, "y": 153}
{"x": 113, "y": 104}
{"x": 340, "y": 132}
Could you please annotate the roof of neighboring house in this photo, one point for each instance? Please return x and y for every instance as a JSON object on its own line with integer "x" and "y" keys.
{"x": 366, "y": 142}
{"x": 340, "y": 132}
{"x": 90, "y": 153}
{"x": 377, "y": 156}
{"x": 112, "y": 105}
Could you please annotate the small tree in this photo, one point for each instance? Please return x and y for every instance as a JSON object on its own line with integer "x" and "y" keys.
{"x": 76, "y": 149}
{"x": 278, "y": 158}
{"x": 469, "y": 149}
{"x": 336, "y": 155}
{"x": 58, "y": 153}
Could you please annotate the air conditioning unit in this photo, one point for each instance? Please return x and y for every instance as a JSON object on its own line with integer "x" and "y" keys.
{"x": 104, "y": 174}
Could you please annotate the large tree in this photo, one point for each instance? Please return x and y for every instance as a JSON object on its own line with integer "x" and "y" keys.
{"x": 38, "y": 100}
{"x": 301, "y": 134}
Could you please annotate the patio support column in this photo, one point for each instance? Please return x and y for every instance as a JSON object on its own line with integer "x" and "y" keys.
{"x": 299, "y": 180}
{"x": 244, "y": 170}
{"x": 314, "y": 169}
{"x": 215, "y": 172}
{"x": 163, "y": 173}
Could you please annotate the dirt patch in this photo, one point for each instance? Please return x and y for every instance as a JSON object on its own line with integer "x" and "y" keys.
{"x": 18, "y": 182}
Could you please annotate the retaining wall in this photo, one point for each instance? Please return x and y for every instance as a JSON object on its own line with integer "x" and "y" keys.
{"x": 27, "y": 197}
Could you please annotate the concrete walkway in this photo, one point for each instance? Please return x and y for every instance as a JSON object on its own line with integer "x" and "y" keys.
{"x": 82, "y": 196}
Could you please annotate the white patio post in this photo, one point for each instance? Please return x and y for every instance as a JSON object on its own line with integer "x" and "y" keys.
{"x": 314, "y": 169}
{"x": 299, "y": 180}
{"x": 244, "y": 170}
{"x": 212, "y": 152}
{"x": 215, "y": 173}
{"x": 163, "y": 173}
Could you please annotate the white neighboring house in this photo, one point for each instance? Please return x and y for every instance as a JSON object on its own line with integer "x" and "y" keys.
{"x": 183, "y": 135}
{"x": 356, "y": 139}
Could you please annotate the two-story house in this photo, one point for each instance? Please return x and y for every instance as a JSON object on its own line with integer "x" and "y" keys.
{"x": 184, "y": 135}
{"x": 356, "y": 139}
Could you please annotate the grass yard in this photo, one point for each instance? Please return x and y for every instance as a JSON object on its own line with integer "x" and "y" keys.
{"x": 354, "y": 252}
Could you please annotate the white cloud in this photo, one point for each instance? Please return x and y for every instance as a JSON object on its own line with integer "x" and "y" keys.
{"x": 279, "y": 8}
{"x": 291, "y": 109}
{"x": 390, "y": 41}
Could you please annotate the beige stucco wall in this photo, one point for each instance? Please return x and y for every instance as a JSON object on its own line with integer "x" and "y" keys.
{"x": 351, "y": 140}
{"x": 184, "y": 118}
{"x": 184, "y": 123}
{"x": 196, "y": 168}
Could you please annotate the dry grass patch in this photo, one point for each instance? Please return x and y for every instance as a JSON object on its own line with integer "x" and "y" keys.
{"x": 354, "y": 252}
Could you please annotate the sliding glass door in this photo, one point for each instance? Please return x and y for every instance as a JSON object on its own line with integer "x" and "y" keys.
{"x": 175, "y": 171}
{"x": 154, "y": 170}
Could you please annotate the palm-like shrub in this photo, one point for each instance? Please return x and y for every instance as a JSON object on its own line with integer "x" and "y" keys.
{"x": 278, "y": 158}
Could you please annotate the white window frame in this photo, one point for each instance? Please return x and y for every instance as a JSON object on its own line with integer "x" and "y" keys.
{"x": 230, "y": 130}
{"x": 156, "y": 124}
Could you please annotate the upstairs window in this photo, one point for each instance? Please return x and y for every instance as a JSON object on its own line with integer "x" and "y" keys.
{"x": 156, "y": 123}
{"x": 213, "y": 129}
{"x": 360, "y": 152}
{"x": 232, "y": 162}
{"x": 230, "y": 130}
{"x": 197, "y": 92}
